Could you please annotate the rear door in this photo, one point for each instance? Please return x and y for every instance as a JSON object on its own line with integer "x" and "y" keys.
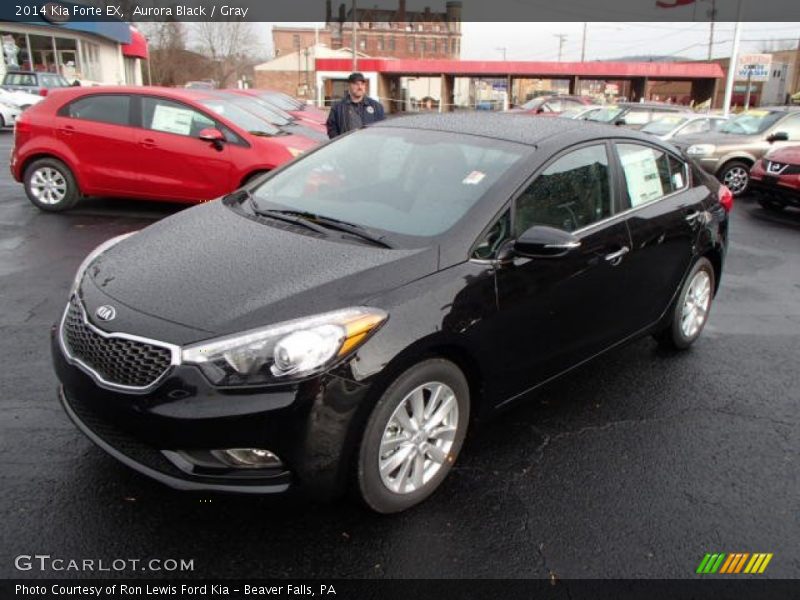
{"x": 96, "y": 128}
{"x": 175, "y": 163}
{"x": 665, "y": 216}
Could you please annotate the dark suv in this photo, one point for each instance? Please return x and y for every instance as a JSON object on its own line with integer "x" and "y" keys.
{"x": 33, "y": 82}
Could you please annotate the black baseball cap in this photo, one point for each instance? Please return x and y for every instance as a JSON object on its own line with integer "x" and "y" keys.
{"x": 356, "y": 77}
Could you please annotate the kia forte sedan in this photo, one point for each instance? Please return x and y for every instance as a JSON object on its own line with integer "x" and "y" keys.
{"x": 334, "y": 325}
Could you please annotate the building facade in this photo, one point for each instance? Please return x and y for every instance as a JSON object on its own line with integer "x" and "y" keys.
{"x": 96, "y": 53}
{"x": 382, "y": 33}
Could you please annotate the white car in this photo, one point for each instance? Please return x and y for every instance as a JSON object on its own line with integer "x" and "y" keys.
{"x": 19, "y": 99}
{"x": 672, "y": 126}
{"x": 8, "y": 114}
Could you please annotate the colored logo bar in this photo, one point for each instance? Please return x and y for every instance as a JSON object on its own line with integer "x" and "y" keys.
{"x": 735, "y": 563}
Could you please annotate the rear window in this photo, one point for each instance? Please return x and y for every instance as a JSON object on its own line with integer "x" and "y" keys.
{"x": 113, "y": 109}
{"x": 20, "y": 79}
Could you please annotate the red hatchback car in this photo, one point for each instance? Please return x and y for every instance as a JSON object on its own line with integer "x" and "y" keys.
{"x": 151, "y": 143}
{"x": 776, "y": 178}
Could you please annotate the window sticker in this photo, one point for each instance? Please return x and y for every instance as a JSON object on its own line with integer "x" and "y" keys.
{"x": 172, "y": 120}
{"x": 641, "y": 172}
{"x": 473, "y": 178}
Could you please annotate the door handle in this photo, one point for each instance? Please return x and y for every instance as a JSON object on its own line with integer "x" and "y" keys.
{"x": 616, "y": 257}
{"x": 693, "y": 216}
{"x": 67, "y": 130}
{"x": 148, "y": 143}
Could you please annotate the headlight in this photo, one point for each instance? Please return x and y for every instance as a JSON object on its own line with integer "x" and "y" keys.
{"x": 94, "y": 254}
{"x": 289, "y": 350}
{"x": 701, "y": 149}
{"x": 295, "y": 152}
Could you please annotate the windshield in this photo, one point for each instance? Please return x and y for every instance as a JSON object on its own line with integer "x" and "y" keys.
{"x": 258, "y": 108}
{"x": 282, "y": 101}
{"x": 240, "y": 117}
{"x": 418, "y": 183}
{"x": 535, "y": 103}
{"x": 748, "y": 123}
{"x": 605, "y": 115}
{"x": 664, "y": 125}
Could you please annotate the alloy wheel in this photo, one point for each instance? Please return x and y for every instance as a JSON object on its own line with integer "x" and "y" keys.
{"x": 48, "y": 185}
{"x": 417, "y": 439}
{"x": 736, "y": 179}
{"x": 696, "y": 304}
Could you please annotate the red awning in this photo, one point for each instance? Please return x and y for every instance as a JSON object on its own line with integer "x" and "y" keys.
{"x": 137, "y": 48}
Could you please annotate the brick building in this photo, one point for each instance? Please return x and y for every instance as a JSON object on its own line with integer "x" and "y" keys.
{"x": 381, "y": 32}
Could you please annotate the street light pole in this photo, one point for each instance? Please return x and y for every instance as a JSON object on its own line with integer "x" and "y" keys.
{"x": 503, "y": 50}
{"x": 583, "y": 43}
{"x": 561, "y": 37}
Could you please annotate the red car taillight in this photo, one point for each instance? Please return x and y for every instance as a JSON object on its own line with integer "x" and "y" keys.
{"x": 43, "y": 92}
{"x": 725, "y": 198}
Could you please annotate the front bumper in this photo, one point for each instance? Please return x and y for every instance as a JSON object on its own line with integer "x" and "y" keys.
{"x": 781, "y": 188}
{"x": 313, "y": 426}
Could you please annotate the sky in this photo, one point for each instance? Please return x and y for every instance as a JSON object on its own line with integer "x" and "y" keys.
{"x": 538, "y": 41}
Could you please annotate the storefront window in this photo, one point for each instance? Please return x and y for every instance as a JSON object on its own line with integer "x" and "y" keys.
{"x": 44, "y": 58}
{"x": 91, "y": 60}
{"x": 68, "y": 61}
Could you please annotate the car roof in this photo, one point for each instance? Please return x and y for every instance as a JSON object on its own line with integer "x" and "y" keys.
{"x": 519, "y": 128}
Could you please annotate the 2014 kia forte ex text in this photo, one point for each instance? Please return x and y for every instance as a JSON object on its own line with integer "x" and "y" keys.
{"x": 341, "y": 321}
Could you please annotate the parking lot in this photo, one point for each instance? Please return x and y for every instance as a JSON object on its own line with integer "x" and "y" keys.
{"x": 634, "y": 466}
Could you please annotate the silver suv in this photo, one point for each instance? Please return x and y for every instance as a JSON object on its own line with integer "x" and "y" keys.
{"x": 734, "y": 148}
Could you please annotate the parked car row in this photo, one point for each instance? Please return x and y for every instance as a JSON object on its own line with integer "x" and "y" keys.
{"x": 181, "y": 145}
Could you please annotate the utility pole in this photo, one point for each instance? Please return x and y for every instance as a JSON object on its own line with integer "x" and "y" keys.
{"x": 583, "y": 43}
{"x": 712, "y": 14}
{"x": 561, "y": 37}
{"x": 503, "y": 50}
{"x": 355, "y": 52}
{"x": 726, "y": 105}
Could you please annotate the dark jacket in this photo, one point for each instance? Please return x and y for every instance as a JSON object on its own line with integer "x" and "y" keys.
{"x": 346, "y": 115}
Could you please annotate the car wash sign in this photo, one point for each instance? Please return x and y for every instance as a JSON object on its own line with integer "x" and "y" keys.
{"x": 754, "y": 67}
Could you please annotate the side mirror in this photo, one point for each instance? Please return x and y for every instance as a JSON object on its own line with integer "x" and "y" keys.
{"x": 778, "y": 136}
{"x": 541, "y": 241}
{"x": 620, "y": 122}
{"x": 210, "y": 134}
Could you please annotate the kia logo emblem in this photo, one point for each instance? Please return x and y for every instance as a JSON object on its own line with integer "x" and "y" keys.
{"x": 105, "y": 313}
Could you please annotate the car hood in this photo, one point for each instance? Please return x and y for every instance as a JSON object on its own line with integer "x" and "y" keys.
{"x": 216, "y": 271}
{"x": 789, "y": 155}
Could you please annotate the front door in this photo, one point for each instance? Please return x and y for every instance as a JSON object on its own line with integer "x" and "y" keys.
{"x": 556, "y": 312}
{"x": 175, "y": 163}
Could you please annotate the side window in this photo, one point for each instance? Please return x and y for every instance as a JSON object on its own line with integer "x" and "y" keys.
{"x": 571, "y": 193}
{"x": 111, "y": 109}
{"x": 173, "y": 117}
{"x": 649, "y": 173}
{"x": 698, "y": 126}
{"x": 497, "y": 234}
{"x": 554, "y": 105}
{"x": 790, "y": 126}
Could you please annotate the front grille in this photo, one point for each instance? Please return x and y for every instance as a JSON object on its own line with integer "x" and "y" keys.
{"x": 116, "y": 360}
{"x": 781, "y": 168}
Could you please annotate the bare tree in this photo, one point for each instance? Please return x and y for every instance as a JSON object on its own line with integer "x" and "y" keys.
{"x": 228, "y": 45}
{"x": 167, "y": 44}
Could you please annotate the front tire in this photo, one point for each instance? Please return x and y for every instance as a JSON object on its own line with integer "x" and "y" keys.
{"x": 50, "y": 185}
{"x": 413, "y": 436}
{"x": 691, "y": 309}
{"x": 736, "y": 176}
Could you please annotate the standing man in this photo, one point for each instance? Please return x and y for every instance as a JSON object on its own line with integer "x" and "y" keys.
{"x": 355, "y": 110}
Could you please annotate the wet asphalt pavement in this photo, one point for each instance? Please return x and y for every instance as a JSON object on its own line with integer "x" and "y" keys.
{"x": 634, "y": 466}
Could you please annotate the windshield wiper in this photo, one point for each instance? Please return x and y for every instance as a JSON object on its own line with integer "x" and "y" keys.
{"x": 351, "y": 228}
{"x": 288, "y": 216}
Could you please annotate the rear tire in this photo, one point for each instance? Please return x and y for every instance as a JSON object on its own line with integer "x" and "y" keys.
{"x": 50, "y": 185}
{"x": 413, "y": 436}
{"x": 690, "y": 313}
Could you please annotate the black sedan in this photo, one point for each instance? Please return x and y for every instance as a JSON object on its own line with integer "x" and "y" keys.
{"x": 341, "y": 321}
